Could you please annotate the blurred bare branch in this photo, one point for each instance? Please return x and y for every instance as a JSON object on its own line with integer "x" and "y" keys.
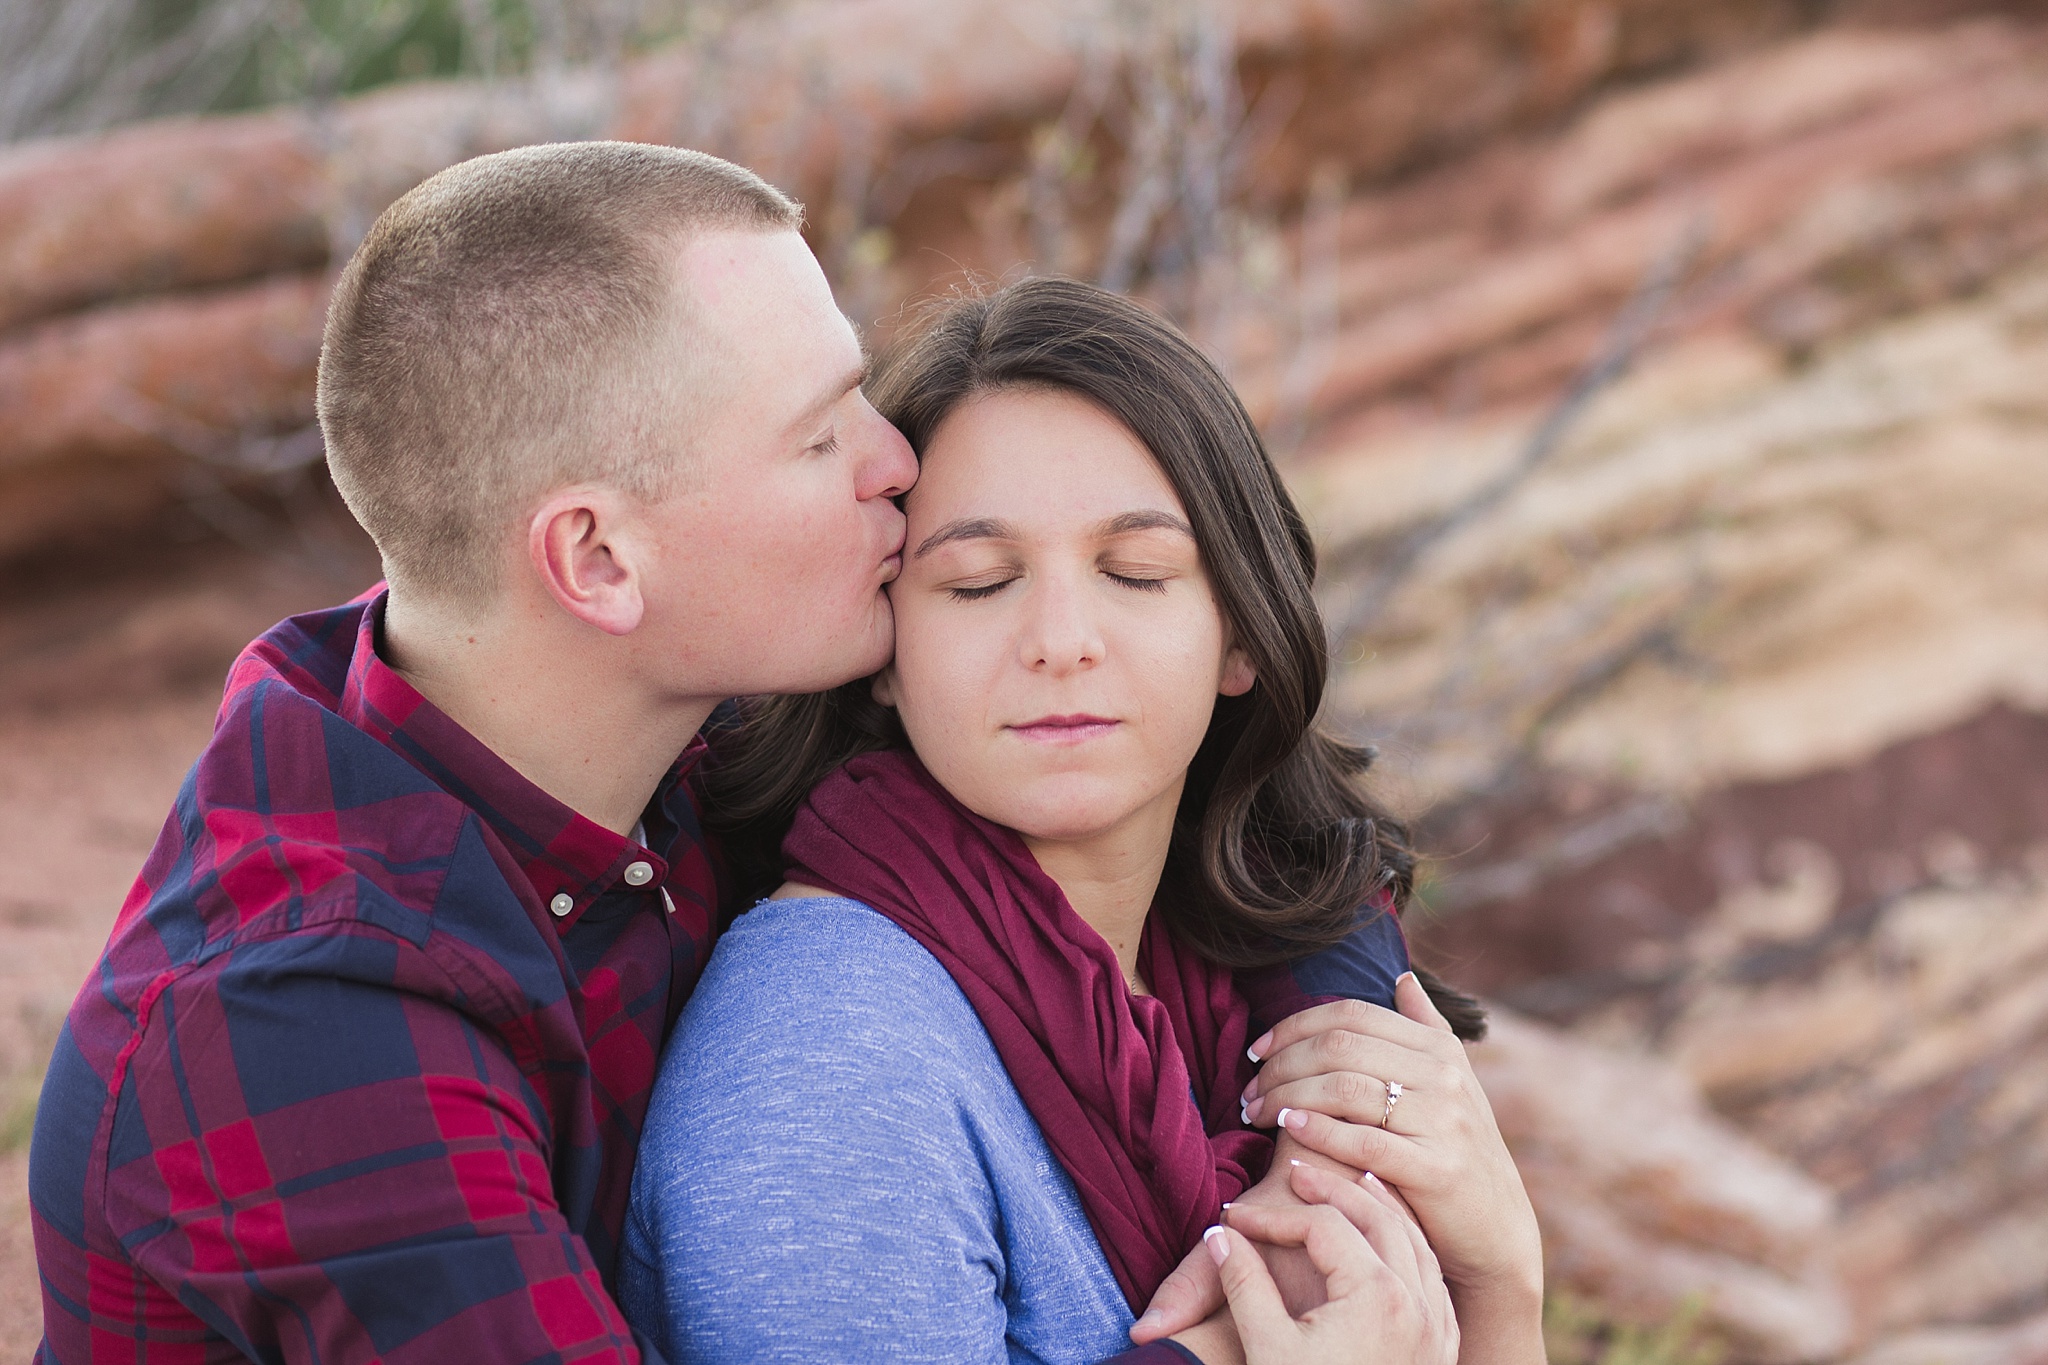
{"x": 1315, "y": 341}
{"x": 1625, "y": 339}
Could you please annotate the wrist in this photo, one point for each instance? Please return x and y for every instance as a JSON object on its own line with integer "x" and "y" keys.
{"x": 1287, "y": 1148}
{"x": 1500, "y": 1319}
{"x": 1214, "y": 1341}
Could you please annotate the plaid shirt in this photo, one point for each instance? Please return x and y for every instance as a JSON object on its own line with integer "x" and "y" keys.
{"x": 362, "y": 1070}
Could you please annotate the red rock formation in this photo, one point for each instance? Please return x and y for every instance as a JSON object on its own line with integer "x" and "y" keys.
{"x": 1693, "y": 649}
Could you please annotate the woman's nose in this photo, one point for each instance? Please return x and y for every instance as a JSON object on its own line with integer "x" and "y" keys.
{"x": 1060, "y": 633}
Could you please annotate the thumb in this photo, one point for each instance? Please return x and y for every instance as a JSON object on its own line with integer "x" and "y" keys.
{"x": 1188, "y": 1296}
{"x": 1413, "y": 1001}
{"x": 1262, "y": 1321}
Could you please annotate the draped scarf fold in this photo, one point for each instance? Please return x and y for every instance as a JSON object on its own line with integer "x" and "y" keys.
{"x": 1107, "y": 1075}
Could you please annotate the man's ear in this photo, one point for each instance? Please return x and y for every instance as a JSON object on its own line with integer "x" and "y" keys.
{"x": 575, "y": 543}
{"x": 1238, "y": 673}
{"x": 883, "y": 687}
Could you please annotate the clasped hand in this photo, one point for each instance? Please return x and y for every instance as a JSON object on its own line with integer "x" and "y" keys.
{"x": 1324, "y": 1086}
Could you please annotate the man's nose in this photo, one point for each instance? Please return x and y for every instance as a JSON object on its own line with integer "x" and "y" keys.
{"x": 889, "y": 467}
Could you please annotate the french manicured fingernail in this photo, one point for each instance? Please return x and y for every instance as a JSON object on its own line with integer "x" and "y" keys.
{"x": 1150, "y": 1317}
{"x": 1219, "y": 1249}
{"x": 1257, "y": 1051}
{"x": 1373, "y": 1178}
{"x": 1251, "y": 1109}
{"x": 1292, "y": 1118}
{"x": 1406, "y": 976}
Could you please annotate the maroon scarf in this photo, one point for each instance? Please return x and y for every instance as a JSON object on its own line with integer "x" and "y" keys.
{"x": 1106, "y": 1074}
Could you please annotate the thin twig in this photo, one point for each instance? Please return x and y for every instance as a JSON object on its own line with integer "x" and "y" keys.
{"x": 1618, "y": 351}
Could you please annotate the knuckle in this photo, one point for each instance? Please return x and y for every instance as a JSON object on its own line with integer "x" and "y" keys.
{"x": 1350, "y": 1088}
{"x": 1353, "y": 1014}
{"x": 1445, "y": 1046}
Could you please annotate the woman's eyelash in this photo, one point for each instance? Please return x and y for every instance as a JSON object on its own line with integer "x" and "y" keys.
{"x": 975, "y": 594}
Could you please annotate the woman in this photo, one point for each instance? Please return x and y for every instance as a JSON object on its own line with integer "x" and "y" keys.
{"x": 1032, "y": 906}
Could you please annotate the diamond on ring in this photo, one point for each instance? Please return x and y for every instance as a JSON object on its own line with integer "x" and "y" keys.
{"x": 1393, "y": 1098}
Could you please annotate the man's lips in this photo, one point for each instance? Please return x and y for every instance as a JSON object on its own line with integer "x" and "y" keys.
{"x": 1065, "y": 729}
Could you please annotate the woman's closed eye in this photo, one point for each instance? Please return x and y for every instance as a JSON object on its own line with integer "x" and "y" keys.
{"x": 974, "y": 592}
{"x": 1144, "y": 580}
{"x": 1140, "y": 580}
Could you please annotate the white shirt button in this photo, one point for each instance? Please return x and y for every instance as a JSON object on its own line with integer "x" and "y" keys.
{"x": 562, "y": 904}
{"x": 639, "y": 873}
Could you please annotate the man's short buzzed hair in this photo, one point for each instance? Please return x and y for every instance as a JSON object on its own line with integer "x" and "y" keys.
{"x": 501, "y": 332}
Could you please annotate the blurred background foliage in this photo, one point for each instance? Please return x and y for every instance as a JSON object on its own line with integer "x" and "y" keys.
{"x": 76, "y": 65}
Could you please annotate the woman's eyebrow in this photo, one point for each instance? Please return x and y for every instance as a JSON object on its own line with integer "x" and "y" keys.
{"x": 966, "y": 528}
{"x": 1127, "y": 522}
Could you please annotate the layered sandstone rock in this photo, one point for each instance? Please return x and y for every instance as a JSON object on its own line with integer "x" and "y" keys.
{"x": 1648, "y": 1201}
{"x": 1727, "y": 705}
{"x": 910, "y": 131}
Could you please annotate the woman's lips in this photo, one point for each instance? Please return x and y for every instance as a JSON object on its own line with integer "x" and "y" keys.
{"x": 1065, "y": 729}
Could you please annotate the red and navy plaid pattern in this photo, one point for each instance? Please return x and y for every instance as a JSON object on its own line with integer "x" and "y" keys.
{"x": 342, "y": 1087}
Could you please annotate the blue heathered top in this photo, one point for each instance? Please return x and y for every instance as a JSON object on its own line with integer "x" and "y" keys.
{"x": 836, "y": 1166}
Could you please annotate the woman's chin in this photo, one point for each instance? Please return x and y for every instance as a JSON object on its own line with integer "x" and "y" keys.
{"x": 1064, "y": 811}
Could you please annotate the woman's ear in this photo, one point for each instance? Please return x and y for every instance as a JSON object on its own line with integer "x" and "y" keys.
{"x": 1238, "y": 673}
{"x": 883, "y": 687}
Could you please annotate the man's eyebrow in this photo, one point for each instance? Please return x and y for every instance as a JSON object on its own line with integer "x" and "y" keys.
{"x": 852, "y": 380}
{"x": 1144, "y": 521}
{"x": 965, "y": 528}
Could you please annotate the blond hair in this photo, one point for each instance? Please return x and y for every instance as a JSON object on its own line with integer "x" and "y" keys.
{"x": 507, "y": 328}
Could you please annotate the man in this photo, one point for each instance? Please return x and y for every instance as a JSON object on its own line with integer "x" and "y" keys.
{"x": 362, "y": 1069}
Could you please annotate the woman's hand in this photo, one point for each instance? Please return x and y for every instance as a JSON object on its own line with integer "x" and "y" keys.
{"x": 1330, "y": 1068}
{"x": 1387, "y": 1300}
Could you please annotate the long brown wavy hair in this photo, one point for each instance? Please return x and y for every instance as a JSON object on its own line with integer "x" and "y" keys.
{"x": 1277, "y": 850}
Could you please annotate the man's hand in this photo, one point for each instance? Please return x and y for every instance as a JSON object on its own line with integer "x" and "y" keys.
{"x": 1387, "y": 1298}
{"x": 1193, "y": 1293}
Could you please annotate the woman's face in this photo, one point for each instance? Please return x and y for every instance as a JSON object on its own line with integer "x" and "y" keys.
{"x": 1058, "y": 648}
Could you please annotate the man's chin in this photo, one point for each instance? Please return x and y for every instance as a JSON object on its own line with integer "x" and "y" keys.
{"x": 880, "y": 645}
{"x": 848, "y": 662}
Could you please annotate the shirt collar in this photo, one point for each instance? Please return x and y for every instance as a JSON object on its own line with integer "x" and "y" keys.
{"x": 562, "y": 852}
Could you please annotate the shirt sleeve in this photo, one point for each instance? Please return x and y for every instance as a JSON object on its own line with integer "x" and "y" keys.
{"x": 326, "y": 1160}
{"x": 1156, "y": 1353}
{"x": 1363, "y": 966}
{"x": 806, "y": 1189}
